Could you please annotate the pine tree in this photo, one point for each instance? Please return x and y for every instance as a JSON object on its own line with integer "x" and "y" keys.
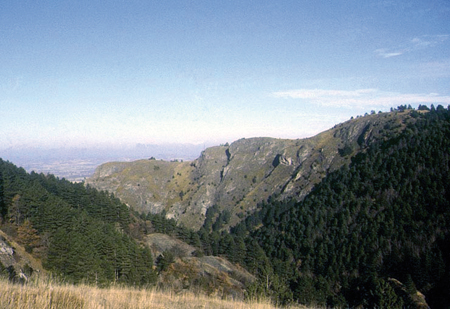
{"x": 28, "y": 236}
{"x": 256, "y": 260}
{"x": 15, "y": 211}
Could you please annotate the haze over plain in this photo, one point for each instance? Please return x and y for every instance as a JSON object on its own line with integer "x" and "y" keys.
{"x": 114, "y": 73}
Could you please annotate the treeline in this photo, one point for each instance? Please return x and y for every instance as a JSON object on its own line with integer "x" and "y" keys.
{"x": 369, "y": 234}
{"x": 158, "y": 223}
{"x": 80, "y": 233}
{"x": 385, "y": 216}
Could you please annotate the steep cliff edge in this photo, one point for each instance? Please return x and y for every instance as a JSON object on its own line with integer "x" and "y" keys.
{"x": 238, "y": 176}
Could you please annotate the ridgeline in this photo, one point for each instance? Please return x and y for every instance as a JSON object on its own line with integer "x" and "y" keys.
{"x": 357, "y": 216}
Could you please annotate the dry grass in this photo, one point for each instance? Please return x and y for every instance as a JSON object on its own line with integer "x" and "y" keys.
{"x": 49, "y": 295}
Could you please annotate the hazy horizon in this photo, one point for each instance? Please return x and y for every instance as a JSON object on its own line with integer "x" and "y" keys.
{"x": 78, "y": 163}
{"x": 87, "y": 73}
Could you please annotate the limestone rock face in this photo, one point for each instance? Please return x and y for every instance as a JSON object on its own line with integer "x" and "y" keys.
{"x": 159, "y": 243}
{"x": 207, "y": 273}
{"x": 14, "y": 256}
{"x": 238, "y": 176}
{"x": 6, "y": 253}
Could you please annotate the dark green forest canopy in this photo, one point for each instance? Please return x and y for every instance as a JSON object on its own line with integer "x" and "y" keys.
{"x": 384, "y": 217}
{"x": 382, "y": 220}
{"x": 87, "y": 231}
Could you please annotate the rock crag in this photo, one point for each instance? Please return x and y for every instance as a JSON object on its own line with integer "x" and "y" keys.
{"x": 238, "y": 176}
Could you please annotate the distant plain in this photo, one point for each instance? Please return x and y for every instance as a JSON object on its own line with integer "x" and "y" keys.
{"x": 77, "y": 164}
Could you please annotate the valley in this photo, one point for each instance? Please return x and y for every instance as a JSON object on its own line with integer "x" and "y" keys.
{"x": 78, "y": 164}
{"x": 356, "y": 216}
{"x": 72, "y": 170}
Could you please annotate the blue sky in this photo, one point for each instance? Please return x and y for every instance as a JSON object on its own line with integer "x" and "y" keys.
{"x": 84, "y": 73}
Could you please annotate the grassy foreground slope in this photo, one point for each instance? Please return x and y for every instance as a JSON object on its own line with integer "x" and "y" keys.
{"x": 50, "y": 295}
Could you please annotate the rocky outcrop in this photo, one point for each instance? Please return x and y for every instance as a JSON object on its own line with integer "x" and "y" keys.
{"x": 18, "y": 264}
{"x": 160, "y": 243}
{"x": 415, "y": 299}
{"x": 238, "y": 176}
{"x": 211, "y": 275}
{"x": 6, "y": 253}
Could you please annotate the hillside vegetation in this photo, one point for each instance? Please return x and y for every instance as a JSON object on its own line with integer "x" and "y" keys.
{"x": 52, "y": 227}
{"x": 238, "y": 176}
{"x": 357, "y": 216}
{"x": 370, "y": 234}
{"x": 366, "y": 226}
{"x": 78, "y": 232}
{"x": 52, "y": 295}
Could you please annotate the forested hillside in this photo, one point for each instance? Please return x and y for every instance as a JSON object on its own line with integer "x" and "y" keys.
{"x": 369, "y": 234}
{"x": 372, "y": 233}
{"x": 79, "y": 233}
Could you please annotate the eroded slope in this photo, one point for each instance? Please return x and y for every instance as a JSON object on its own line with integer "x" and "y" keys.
{"x": 237, "y": 177}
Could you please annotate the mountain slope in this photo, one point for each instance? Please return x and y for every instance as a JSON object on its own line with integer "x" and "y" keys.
{"x": 237, "y": 177}
{"x": 78, "y": 234}
{"x": 382, "y": 220}
{"x": 16, "y": 263}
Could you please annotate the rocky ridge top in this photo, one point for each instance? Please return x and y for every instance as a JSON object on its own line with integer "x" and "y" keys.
{"x": 238, "y": 176}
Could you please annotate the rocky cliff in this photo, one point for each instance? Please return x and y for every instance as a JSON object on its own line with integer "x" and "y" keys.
{"x": 238, "y": 176}
{"x": 15, "y": 263}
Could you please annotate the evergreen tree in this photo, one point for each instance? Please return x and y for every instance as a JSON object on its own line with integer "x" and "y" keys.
{"x": 384, "y": 216}
{"x": 28, "y": 236}
{"x": 86, "y": 231}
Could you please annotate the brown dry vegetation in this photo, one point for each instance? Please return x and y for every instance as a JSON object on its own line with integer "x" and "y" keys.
{"x": 47, "y": 295}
